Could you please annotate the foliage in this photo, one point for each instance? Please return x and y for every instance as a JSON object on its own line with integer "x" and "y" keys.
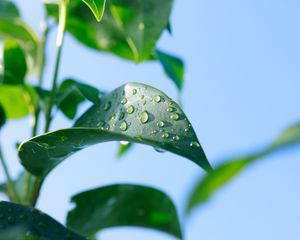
{"x": 132, "y": 113}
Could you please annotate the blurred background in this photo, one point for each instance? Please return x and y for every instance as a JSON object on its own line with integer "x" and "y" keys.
{"x": 241, "y": 89}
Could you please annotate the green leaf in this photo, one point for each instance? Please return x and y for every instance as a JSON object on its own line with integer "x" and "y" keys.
{"x": 173, "y": 67}
{"x": 129, "y": 29}
{"x": 71, "y": 93}
{"x": 2, "y": 116}
{"x": 15, "y": 66}
{"x": 20, "y": 222}
{"x": 15, "y": 101}
{"x": 124, "y": 147}
{"x": 97, "y": 7}
{"x": 12, "y": 26}
{"x": 226, "y": 172}
{"x": 9, "y": 9}
{"x": 123, "y": 205}
{"x": 133, "y": 112}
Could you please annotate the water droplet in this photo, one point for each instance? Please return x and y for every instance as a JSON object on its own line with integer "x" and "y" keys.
{"x": 176, "y": 138}
{"x": 107, "y": 106}
{"x": 144, "y": 103}
{"x": 144, "y": 117}
{"x": 170, "y": 109}
{"x": 123, "y": 126}
{"x": 154, "y": 132}
{"x": 124, "y": 101}
{"x": 122, "y": 115}
{"x": 134, "y": 91}
{"x": 159, "y": 150}
{"x": 157, "y": 98}
{"x": 175, "y": 116}
{"x": 63, "y": 138}
{"x": 160, "y": 124}
{"x": 107, "y": 127}
{"x": 186, "y": 129}
{"x": 141, "y": 26}
{"x": 100, "y": 124}
{"x": 165, "y": 135}
{"x": 130, "y": 109}
{"x": 194, "y": 144}
{"x": 142, "y": 97}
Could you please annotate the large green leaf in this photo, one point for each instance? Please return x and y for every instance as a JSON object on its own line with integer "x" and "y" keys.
{"x": 129, "y": 29}
{"x": 71, "y": 93}
{"x": 8, "y": 8}
{"x": 97, "y": 7}
{"x": 24, "y": 223}
{"x": 12, "y": 26}
{"x": 226, "y": 172}
{"x": 173, "y": 67}
{"x": 14, "y": 64}
{"x": 15, "y": 101}
{"x": 2, "y": 116}
{"x": 123, "y": 205}
{"x": 133, "y": 112}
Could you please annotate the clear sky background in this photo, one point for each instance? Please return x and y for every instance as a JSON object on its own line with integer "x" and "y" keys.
{"x": 242, "y": 88}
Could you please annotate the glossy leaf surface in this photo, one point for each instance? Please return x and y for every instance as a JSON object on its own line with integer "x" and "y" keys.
{"x": 97, "y": 7}
{"x": 14, "y": 64}
{"x": 226, "y": 172}
{"x": 129, "y": 29}
{"x": 19, "y": 222}
{"x": 133, "y": 112}
{"x": 123, "y": 205}
{"x": 173, "y": 67}
{"x": 71, "y": 93}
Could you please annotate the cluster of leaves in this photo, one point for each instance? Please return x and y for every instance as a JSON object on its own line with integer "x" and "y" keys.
{"x": 132, "y": 113}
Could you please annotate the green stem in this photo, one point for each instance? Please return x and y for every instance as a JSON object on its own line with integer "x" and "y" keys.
{"x": 63, "y": 11}
{"x": 42, "y": 60}
{"x": 10, "y": 184}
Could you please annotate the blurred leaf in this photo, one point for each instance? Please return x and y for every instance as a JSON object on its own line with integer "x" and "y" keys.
{"x": 225, "y": 172}
{"x": 20, "y": 222}
{"x": 9, "y": 9}
{"x": 123, "y": 205}
{"x": 15, "y": 66}
{"x": 124, "y": 147}
{"x": 169, "y": 28}
{"x": 97, "y": 7}
{"x": 129, "y": 29}
{"x": 15, "y": 101}
{"x": 133, "y": 112}
{"x": 2, "y": 116}
{"x": 173, "y": 67}
{"x": 12, "y": 26}
{"x": 71, "y": 93}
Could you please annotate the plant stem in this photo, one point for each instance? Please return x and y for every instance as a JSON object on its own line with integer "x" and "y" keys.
{"x": 10, "y": 185}
{"x": 63, "y": 11}
{"x": 42, "y": 60}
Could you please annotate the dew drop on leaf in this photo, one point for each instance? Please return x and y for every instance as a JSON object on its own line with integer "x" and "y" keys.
{"x": 157, "y": 98}
{"x": 134, "y": 91}
{"x": 107, "y": 106}
{"x": 170, "y": 109}
{"x": 160, "y": 124}
{"x": 123, "y": 126}
{"x": 124, "y": 101}
{"x": 130, "y": 109}
{"x": 175, "y": 116}
{"x": 194, "y": 144}
{"x": 144, "y": 117}
{"x": 165, "y": 135}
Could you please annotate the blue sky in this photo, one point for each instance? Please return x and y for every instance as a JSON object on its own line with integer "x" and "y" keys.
{"x": 242, "y": 88}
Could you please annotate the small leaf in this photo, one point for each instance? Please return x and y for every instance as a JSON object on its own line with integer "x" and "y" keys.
{"x": 15, "y": 66}
{"x": 173, "y": 67}
{"x": 20, "y": 222}
{"x": 124, "y": 147}
{"x": 71, "y": 93}
{"x": 133, "y": 112}
{"x": 97, "y": 7}
{"x": 123, "y": 205}
{"x": 225, "y": 172}
{"x": 15, "y": 101}
{"x": 169, "y": 28}
{"x": 2, "y": 116}
{"x": 128, "y": 29}
{"x": 9, "y": 9}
